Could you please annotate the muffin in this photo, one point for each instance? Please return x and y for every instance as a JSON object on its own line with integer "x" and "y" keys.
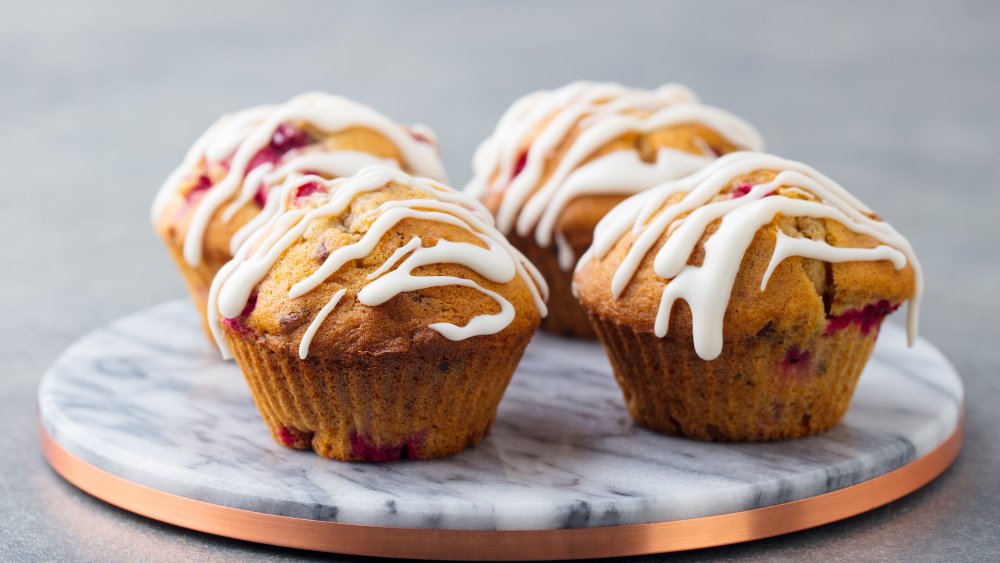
{"x": 559, "y": 160}
{"x": 742, "y": 303}
{"x": 219, "y": 194}
{"x": 377, "y": 317}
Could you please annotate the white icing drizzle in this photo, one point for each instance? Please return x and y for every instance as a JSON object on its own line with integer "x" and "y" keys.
{"x": 215, "y": 144}
{"x": 255, "y": 179}
{"x": 707, "y": 288}
{"x": 597, "y": 109}
{"x": 337, "y": 164}
{"x": 471, "y": 256}
{"x": 786, "y": 246}
{"x": 499, "y": 261}
{"x": 243, "y": 233}
{"x": 242, "y": 135}
{"x": 566, "y": 255}
{"x": 397, "y": 255}
{"x": 307, "y": 337}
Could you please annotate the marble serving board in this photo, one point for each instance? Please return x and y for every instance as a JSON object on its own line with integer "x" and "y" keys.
{"x": 147, "y": 399}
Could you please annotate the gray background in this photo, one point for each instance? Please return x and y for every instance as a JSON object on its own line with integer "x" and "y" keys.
{"x": 98, "y": 102}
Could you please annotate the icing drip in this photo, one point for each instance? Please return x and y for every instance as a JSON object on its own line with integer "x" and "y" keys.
{"x": 316, "y": 322}
{"x": 786, "y": 246}
{"x": 471, "y": 256}
{"x": 498, "y": 261}
{"x": 245, "y": 142}
{"x": 599, "y": 113}
{"x": 707, "y": 288}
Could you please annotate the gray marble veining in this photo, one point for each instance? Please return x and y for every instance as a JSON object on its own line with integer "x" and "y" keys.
{"x": 148, "y": 399}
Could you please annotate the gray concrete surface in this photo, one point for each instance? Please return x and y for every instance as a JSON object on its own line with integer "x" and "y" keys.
{"x": 98, "y": 101}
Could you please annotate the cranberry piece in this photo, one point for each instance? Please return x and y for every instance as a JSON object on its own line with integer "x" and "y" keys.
{"x": 260, "y": 198}
{"x": 522, "y": 160}
{"x": 284, "y": 139}
{"x": 295, "y": 438}
{"x": 741, "y": 190}
{"x": 250, "y": 306}
{"x": 796, "y": 359}
{"x": 364, "y": 448}
{"x": 265, "y": 155}
{"x": 236, "y": 325}
{"x": 287, "y": 137}
{"x": 867, "y": 318}
{"x": 418, "y": 137}
{"x": 202, "y": 185}
{"x": 307, "y": 189}
{"x": 239, "y": 324}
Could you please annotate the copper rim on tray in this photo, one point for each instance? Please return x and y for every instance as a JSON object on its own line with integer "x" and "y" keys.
{"x": 579, "y": 543}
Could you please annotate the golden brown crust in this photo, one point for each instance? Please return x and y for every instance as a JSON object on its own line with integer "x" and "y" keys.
{"x": 353, "y": 327}
{"x": 800, "y": 294}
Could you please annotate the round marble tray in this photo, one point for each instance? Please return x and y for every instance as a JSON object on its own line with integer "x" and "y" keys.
{"x": 143, "y": 414}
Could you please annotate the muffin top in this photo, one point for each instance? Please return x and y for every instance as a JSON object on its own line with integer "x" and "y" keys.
{"x": 556, "y": 155}
{"x": 374, "y": 263}
{"x": 219, "y": 193}
{"x": 751, "y": 243}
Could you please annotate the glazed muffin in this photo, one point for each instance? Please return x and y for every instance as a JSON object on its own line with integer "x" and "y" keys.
{"x": 742, "y": 302}
{"x": 559, "y": 160}
{"x": 377, "y": 317}
{"x": 219, "y": 193}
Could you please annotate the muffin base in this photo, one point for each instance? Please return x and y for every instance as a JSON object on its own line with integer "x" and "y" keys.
{"x": 763, "y": 388}
{"x": 420, "y": 404}
{"x": 566, "y": 317}
{"x": 196, "y": 284}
